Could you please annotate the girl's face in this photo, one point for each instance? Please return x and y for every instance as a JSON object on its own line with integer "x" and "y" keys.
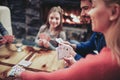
{"x": 54, "y": 19}
{"x": 100, "y": 16}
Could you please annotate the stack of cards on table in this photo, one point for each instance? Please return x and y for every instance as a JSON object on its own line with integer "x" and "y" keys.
{"x": 24, "y": 63}
{"x": 15, "y": 70}
{"x": 63, "y": 51}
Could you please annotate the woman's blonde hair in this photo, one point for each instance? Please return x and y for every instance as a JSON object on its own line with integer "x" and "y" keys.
{"x": 113, "y": 40}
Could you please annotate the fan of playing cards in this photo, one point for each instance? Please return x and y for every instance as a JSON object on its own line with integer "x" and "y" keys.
{"x": 64, "y": 51}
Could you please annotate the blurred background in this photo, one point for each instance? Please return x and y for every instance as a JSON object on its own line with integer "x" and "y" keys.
{"x": 28, "y": 15}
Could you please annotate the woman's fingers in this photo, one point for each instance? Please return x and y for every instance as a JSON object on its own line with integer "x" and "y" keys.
{"x": 69, "y": 60}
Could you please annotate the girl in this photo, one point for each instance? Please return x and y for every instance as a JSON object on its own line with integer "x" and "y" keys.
{"x": 52, "y": 29}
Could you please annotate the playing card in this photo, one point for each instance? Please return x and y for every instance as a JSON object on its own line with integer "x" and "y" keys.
{"x": 58, "y": 52}
{"x": 24, "y": 63}
{"x": 58, "y": 40}
{"x": 15, "y": 70}
{"x": 63, "y": 51}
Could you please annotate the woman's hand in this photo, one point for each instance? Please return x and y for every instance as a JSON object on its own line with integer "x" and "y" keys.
{"x": 68, "y": 53}
{"x": 69, "y": 60}
{"x": 68, "y": 47}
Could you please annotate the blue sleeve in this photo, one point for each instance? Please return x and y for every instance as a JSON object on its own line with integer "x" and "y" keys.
{"x": 84, "y": 48}
{"x": 3, "y": 31}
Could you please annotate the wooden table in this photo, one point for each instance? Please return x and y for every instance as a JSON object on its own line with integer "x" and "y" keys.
{"x": 42, "y": 60}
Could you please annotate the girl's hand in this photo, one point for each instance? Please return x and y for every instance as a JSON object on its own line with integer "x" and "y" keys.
{"x": 44, "y": 43}
{"x": 44, "y": 36}
{"x": 40, "y": 42}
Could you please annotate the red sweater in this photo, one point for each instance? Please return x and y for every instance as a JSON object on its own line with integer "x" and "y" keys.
{"x": 94, "y": 67}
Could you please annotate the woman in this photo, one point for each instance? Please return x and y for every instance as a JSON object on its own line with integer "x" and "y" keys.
{"x": 52, "y": 29}
{"x": 105, "y": 15}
